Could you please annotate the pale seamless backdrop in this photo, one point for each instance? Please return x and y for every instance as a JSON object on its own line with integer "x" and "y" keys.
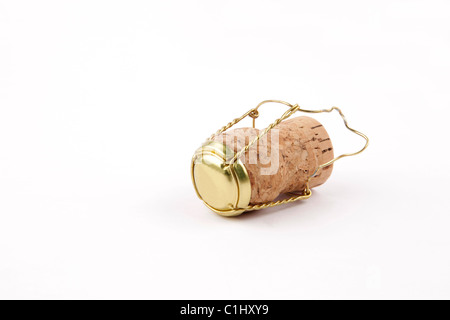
{"x": 102, "y": 104}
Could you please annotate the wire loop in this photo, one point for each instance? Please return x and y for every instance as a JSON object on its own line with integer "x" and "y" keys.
{"x": 254, "y": 114}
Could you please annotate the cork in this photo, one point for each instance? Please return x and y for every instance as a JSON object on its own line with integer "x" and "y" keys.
{"x": 283, "y": 160}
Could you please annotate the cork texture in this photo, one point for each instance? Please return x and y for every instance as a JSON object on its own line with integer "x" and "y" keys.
{"x": 299, "y": 146}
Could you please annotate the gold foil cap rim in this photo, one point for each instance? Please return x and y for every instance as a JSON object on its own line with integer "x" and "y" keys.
{"x": 225, "y": 189}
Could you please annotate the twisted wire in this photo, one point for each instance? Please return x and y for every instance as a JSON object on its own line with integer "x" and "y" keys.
{"x": 253, "y": 113}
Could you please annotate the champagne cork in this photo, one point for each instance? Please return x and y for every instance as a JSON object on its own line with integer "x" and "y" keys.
{"x": 247, "y": 169}
{"x": 282, "y": 161}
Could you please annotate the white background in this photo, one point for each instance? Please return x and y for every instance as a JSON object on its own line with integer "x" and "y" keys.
{"x": 102, "y": 104}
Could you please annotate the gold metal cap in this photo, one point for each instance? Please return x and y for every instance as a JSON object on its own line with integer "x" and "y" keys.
{"x": 222, "y": 188}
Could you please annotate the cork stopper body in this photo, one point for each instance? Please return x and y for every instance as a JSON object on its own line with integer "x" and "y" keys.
{"x": 283, "y": 160}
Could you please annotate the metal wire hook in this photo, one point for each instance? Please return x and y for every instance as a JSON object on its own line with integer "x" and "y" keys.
{"x": 254, "y": 113}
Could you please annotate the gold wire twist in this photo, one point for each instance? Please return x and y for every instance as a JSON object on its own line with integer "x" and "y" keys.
{"x": 254, "y": 113}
